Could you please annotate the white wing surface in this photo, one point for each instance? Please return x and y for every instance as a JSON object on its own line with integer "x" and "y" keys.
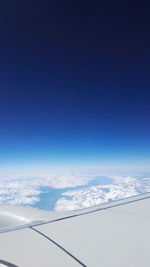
{"x": 115, "y": 234}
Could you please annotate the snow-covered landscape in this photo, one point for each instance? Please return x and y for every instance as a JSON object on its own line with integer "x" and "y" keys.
{"x": 70, "y": 191}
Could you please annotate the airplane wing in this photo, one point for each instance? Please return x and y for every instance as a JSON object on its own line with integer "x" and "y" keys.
{"x": 115, "y": 234}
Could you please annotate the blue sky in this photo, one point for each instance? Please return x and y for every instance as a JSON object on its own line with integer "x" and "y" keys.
{"x": 74, "y": 92}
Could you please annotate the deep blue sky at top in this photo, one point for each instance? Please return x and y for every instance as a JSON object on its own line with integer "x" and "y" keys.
{"x": 74, "y": 81}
